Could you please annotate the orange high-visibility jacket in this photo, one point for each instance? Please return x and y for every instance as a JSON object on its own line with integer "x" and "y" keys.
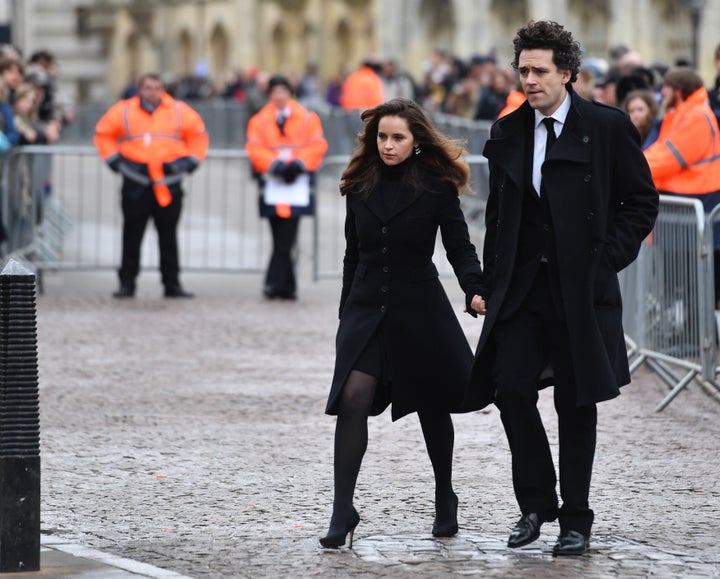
{"x": 685, "y": 159}
{"x": 513, "y": 101}
{"x": 303, "y": 138}
{"x": 361, "y": 90}
{"x": 173, "y": 130}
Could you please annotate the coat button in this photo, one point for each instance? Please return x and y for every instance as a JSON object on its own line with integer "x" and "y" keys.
{"x": 590, "y": 216}
{"x": 546, "y": 227}
{"x": 384, "y": 229}
{"x": 587, "y": 178}
{"x": 593, "y": 251}
{"x": 384, "y": 250}
{"x": 385, "y": 269}
{"x": 382, "y": 309}
{"x": 586, "y": 139}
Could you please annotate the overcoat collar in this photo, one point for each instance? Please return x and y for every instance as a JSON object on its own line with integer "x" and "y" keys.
{"x": 508, "y": 147}
{"x": 406, "y": 197}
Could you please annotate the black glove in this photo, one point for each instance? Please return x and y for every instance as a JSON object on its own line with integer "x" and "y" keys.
{"x": 181, "y": 165}
{"x": 292, "y": 170}
{"x": 277, "y": 168}
{"x": 114, "y": 163}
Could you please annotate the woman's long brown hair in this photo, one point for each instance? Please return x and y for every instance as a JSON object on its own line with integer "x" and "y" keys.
{"x": 439, "y": 155}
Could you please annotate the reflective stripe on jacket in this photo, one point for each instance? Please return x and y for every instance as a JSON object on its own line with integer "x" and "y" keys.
{"x": 685, "y": 159}
{"x": 171, "y": 131}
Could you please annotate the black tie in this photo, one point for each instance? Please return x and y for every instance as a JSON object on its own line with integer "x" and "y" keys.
{"x": 281, "y": 122}
{"x": 549, "y": 123}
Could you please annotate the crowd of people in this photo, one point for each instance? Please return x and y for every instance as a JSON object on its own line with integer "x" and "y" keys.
{"x": 32, "y": 109}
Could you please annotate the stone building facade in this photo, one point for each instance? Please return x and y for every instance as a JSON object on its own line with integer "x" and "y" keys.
{"x": 100, "y": 44}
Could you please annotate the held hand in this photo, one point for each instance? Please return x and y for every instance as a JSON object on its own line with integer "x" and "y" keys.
{"x": 478, "y": 305}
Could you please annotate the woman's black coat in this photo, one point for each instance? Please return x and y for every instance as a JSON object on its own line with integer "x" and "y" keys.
{"x": 602, "y": 203}
{"x": 389, "y": 277}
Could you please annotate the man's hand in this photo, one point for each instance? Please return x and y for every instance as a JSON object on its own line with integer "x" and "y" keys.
{"x": 114, "y": 163}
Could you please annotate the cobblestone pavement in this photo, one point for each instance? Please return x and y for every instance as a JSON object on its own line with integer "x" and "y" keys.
{"x": 190, "y": 435}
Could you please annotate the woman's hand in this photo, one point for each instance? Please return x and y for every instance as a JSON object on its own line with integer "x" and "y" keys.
{"x": 478, "y": 305}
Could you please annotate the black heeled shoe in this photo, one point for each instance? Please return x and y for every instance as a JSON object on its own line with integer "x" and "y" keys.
{"x": 446, "y": 524}
{"x": 338, "y": 530}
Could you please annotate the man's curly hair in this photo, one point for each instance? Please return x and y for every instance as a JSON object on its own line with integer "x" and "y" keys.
{"x": 546, "y": 34}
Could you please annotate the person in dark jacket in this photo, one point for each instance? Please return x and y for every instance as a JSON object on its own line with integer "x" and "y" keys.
{"x": 399, "y": 342}
{"x": 571, "y": 201}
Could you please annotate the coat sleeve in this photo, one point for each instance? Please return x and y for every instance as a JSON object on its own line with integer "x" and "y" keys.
{"x": 313, "y": 150}
{"x": 459, "y": 250}
{"x": 634, "y": 199}
{"x": 108, "y": 131}
{"x": 194, "y": 133}
{"x": 350, "y": 260}
{"x": 260, "y": 154}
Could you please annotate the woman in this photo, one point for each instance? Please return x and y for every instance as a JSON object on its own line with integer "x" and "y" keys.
{"x": 643, "y": 108}
{"x": 399, "y": 341}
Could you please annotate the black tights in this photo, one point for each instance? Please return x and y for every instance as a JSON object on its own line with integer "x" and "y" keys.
{"x": 351, "y": 437}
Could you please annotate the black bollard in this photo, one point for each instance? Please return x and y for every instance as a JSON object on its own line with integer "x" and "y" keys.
{"x": 19, "y": 422}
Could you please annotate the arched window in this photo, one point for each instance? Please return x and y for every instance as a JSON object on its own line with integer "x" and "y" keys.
{"x": 219, "y": 51}
{"x": 185, "y": 53}
{"x": 438, "y": 22}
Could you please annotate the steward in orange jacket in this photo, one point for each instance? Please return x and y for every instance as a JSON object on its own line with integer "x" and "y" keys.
{"x": 152, "y": 140}
{"x": 362, "y": 89}
{"x": 284, "y": 142}
{"x": 685, "y": 159}
{"x": 152, "y": 147}
{"x": 298, "y": 147}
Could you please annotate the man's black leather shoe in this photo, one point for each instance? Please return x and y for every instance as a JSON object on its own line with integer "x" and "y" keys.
{"x": 571, "y": 543}
{"x": 526, "y": 530}
{"x": 125, "y": 291}
{"x": 177, "y": 291}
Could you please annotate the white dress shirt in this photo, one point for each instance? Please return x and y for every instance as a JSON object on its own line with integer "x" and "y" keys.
{"x": 559, "y": 116}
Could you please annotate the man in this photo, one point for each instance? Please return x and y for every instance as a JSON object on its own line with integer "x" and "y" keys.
{"x": 285, "y": 144}
{"x": 562, "y": 219}
{"x": 152, "y": 140}
{"x": 685, "y": 158}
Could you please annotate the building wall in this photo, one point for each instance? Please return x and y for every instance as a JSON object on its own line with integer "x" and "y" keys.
{"x": 178, "y": 37}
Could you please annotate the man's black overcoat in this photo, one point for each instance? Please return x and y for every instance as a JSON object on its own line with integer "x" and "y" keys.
{"x": 602, "y": 204}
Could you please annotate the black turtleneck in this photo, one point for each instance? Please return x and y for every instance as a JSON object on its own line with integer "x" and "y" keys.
{"x": 390, "y": 186}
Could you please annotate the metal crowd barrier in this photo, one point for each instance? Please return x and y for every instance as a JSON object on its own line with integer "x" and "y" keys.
{"x": 61, "y": 209}
{"x": 668, "y": 297}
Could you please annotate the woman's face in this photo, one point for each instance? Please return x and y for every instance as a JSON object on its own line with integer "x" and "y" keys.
{"x": 639, "y": 112}
{"x": 394, "y": 140}
{"x": 25, "y": 104}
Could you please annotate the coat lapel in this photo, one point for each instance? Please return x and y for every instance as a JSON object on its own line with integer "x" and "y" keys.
{"x": 508, "y": 148}
{"x": 573, "y": 143}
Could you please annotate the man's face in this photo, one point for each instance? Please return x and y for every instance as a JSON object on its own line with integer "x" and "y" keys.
{"x": 151, "y": 91}
{"x": 542, "y": 81}
{"x": 279, "y": 96}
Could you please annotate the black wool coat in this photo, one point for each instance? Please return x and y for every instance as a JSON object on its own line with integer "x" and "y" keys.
{"x": 389, "y": 277}
{"x": 602, "y": 203}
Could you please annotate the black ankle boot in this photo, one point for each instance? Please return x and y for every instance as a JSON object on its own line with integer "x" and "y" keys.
{"x": 339, "y": 528}
{"x": 446, "y": 508}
